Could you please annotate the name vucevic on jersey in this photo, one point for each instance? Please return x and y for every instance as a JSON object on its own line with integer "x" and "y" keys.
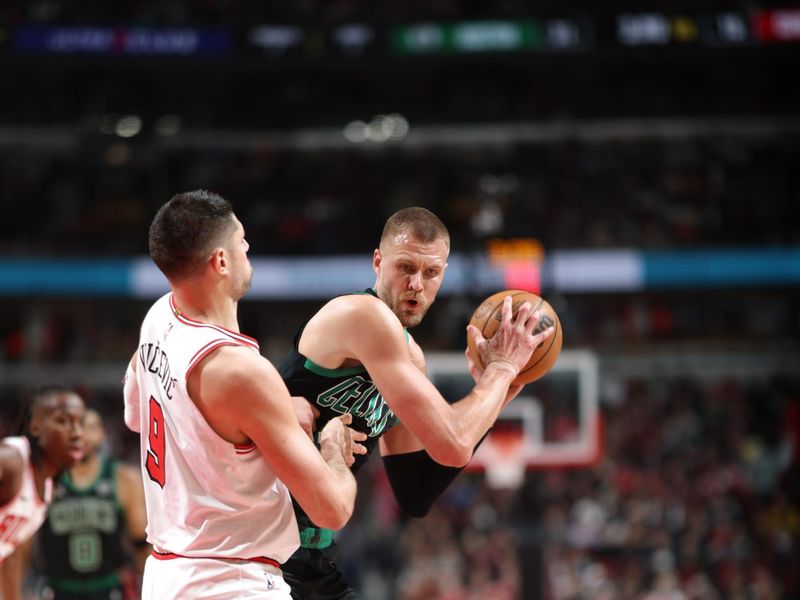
{"x": 155, "y": 360}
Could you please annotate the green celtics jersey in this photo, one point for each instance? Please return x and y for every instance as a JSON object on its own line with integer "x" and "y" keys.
{"x": 81, "y": 540}
{"x": 335, "y": 392}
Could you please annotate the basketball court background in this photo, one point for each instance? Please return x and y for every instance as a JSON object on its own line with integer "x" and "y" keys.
{"x": 635, "y": 163}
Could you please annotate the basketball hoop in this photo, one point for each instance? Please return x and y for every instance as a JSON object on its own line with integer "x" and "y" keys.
{"x": 529, "y": 433}
{"x": 503, "y": 455}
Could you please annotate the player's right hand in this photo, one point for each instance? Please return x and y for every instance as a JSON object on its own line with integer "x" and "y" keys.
{"x": 476, "y": 371}
{"x": 513, "y": 342}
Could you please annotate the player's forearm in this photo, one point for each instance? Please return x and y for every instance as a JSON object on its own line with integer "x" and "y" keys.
{"x": 130, "y": 392}
{"x": 477, "y": 412}
{"x": 417, "y": 480}
{"x": 450, "y": 434}
{"x": 345, "y": 485}
{"x": 333, "y": 504}
{"x": 11, "y": 572}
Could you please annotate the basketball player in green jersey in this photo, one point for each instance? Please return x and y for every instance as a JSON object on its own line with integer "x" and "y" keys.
{"x": 96, "y": 520}
{"x": 355, "y": 356}
{"x": 49, "y": 440}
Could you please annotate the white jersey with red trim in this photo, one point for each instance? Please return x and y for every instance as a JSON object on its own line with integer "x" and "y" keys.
{"x": 205, "y": 496}
{"x": 22, "y": 517}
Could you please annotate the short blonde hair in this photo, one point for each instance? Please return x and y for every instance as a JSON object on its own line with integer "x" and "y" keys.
{"x": 421, "y": 223}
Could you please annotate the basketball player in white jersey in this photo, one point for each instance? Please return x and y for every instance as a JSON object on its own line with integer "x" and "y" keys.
{"x": 221, "y": 446}
{"x": 50, "y": 440}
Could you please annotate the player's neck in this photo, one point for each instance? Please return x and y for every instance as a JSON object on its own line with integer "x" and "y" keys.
{"x": 200, "y": 305}
{"x": 86, "y": 471}
{"x": 42, "y": 470}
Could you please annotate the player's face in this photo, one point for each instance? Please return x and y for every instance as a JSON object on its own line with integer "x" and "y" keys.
{"x": 60, "y": 429}
{"x": 242, "y": 270}
{"x": 409, "y": 275}
{"x": 93, "y": 432}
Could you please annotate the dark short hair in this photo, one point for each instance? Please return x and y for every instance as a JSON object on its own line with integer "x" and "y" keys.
{"x": 417, "y": 221}
{"x": 32, "y": 398}
{"x": 186, "y": 229}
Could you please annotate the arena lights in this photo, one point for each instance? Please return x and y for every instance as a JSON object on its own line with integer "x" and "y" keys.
{"x": 731, "y": 27}
{"x": 125, "y": 126}
{"x": 277, "y": 39}
{"x": 382, "y": 128}
{"x": 520, "y": 260}
{"x": 128, "y": 126}
{"x": 777, "y": 25}
{"x": 353, "y": 38}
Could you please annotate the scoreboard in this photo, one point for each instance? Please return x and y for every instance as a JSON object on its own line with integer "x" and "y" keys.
{"x": 282, "y": 41}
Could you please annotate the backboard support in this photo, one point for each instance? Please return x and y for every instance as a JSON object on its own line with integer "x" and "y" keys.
{"x": 554, "y": 423}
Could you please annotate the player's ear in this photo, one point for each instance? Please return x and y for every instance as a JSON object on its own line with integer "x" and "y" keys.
{"x": 376, "y": 259}
{"x": 35, "y": 427}
{"x": 219, "y": 260}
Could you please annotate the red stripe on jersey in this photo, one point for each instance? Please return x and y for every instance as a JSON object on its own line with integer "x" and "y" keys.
{"x": 244, "y": 448}
{"x": 259, "y": 559}
{"x": 205, "y": 351}
{"x": 239, "y": 337}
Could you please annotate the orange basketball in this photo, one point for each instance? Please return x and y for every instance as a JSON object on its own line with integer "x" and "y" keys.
{"x": 488, "y": 316}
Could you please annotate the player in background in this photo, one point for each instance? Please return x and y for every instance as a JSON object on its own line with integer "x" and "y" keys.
{"x": 221, "y": 447}
{"x": 50, "y": 440}
{"x": 355, "y": 356}
{"x": 95, "y": 523}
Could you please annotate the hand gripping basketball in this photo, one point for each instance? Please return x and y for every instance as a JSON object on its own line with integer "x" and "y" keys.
{"x": 544, "y": 335}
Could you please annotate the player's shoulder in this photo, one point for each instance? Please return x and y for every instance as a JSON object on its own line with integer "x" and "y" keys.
{"x": 355, "y": 308}
{"x": 127, "y": 474}
{"x": 12, "y": 464}
{"x": 10, "y": 454}
{"x": 234, "y": 360}
{"x": 360, "y": 300}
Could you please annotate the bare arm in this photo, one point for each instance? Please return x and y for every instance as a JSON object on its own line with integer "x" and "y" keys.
{"x": 131, "y": 396}
{"x": 11, "y": 465}
{"x": 131, "y": 496}
{"x": 12, "y": 568}
{"x": 12, "y": 571}
{"x": 448, "y": 432}
{"x": 243, "y": 397}
{"x": 306, "y": 415}
{"x": 399, "y": 439}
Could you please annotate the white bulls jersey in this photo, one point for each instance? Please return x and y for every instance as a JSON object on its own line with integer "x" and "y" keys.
{"x": 205, "y": 497}
{"x": 20, "y": 518}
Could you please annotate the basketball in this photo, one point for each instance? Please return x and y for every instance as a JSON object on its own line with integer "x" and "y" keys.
{"x": 487, "y": 318}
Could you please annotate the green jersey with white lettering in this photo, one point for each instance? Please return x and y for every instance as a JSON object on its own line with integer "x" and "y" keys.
{"x": 335, "y": 392}
{"x": 81, "y": 540}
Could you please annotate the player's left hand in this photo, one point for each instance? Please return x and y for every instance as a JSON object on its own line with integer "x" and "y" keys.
{"x": 346, "y": 439}
{"x": 355, "y": 447}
